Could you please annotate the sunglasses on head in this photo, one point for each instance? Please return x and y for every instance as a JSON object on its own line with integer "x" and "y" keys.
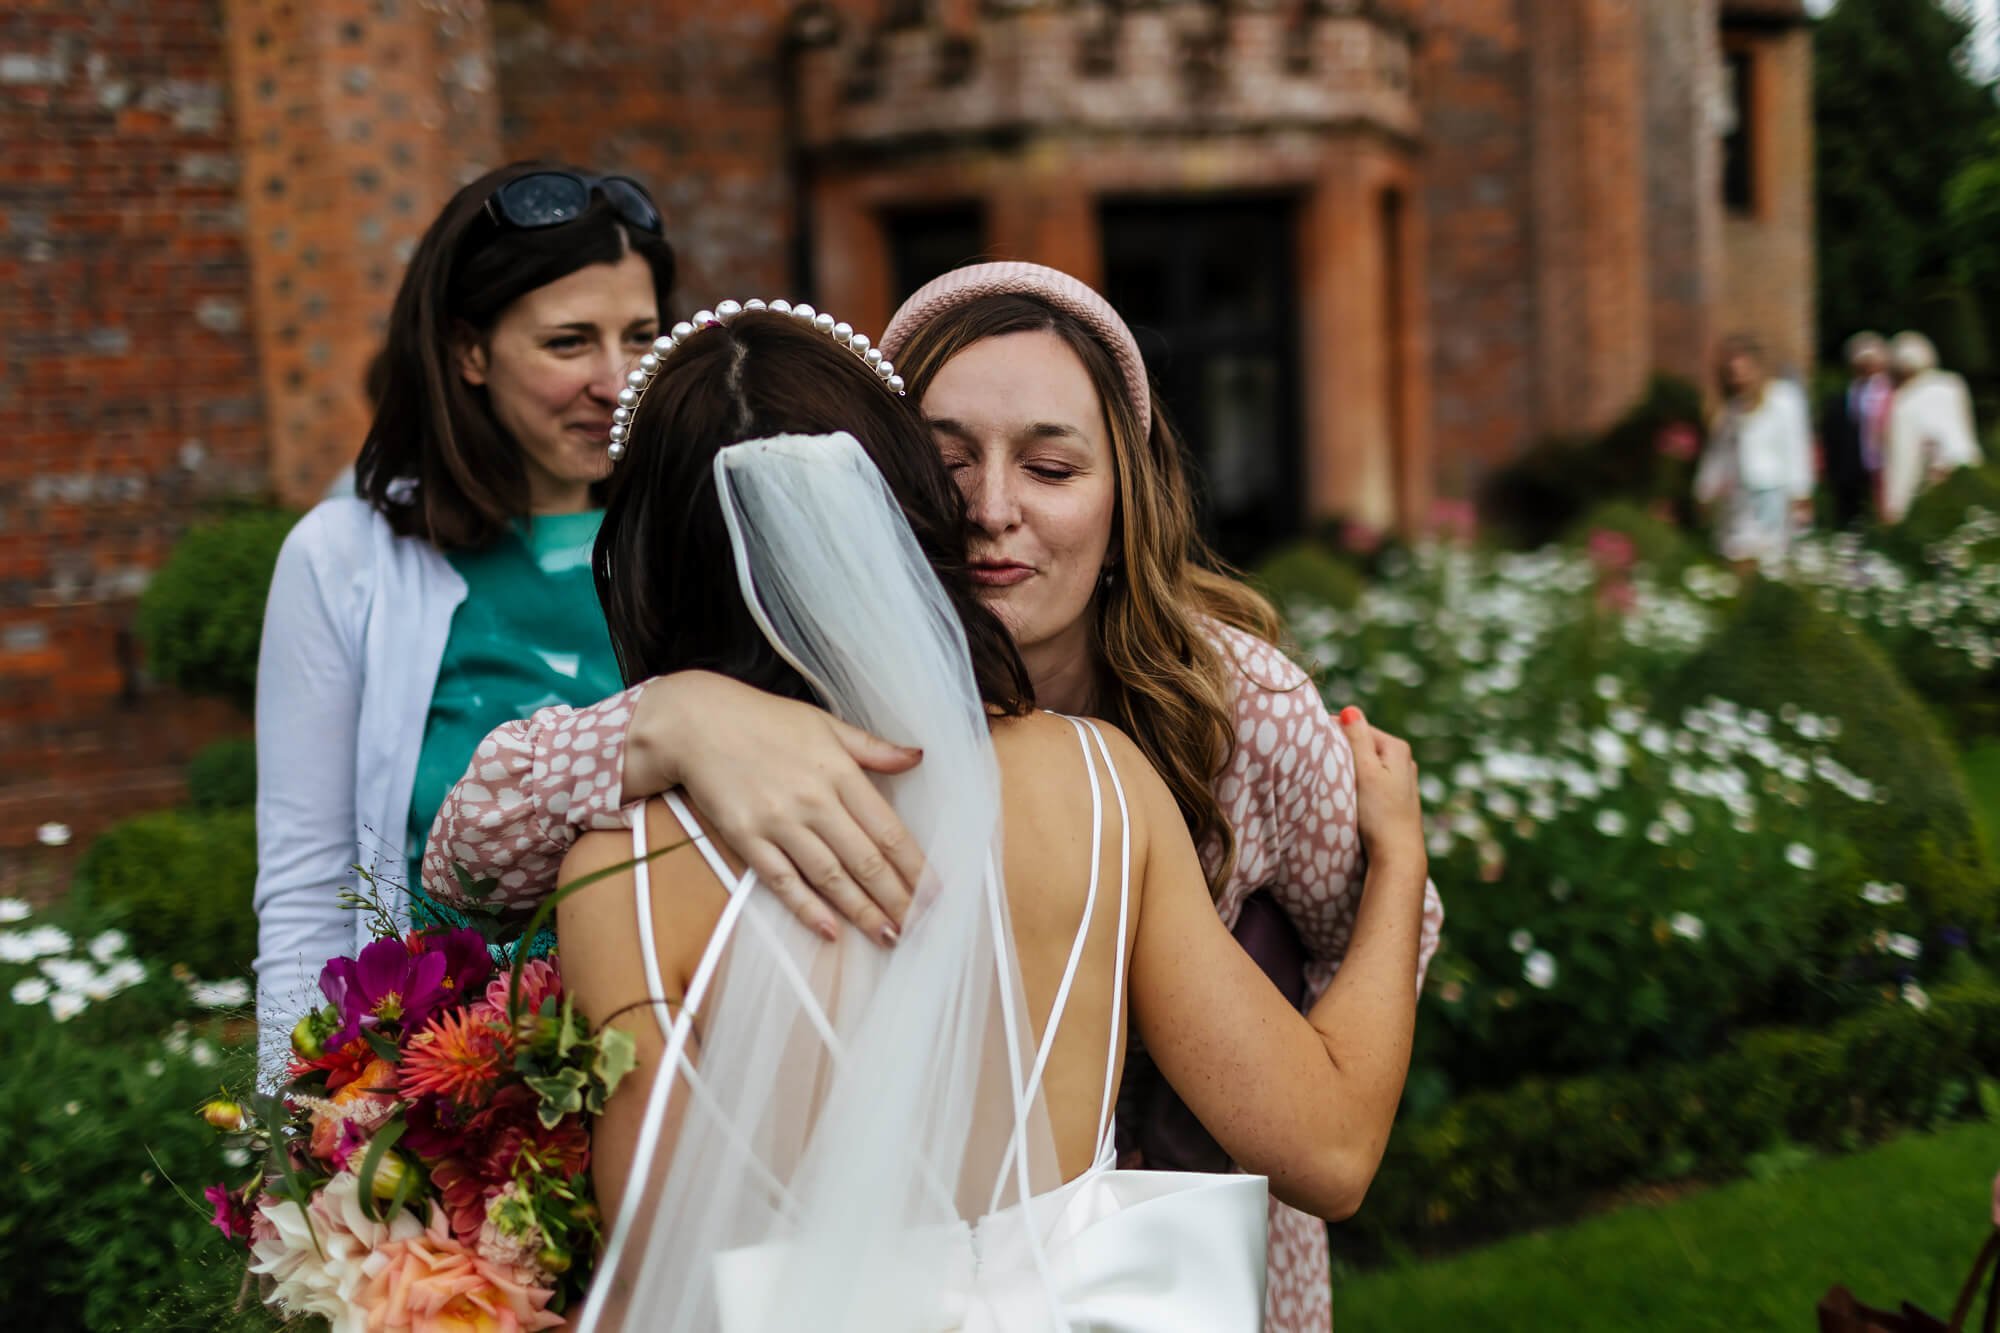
{"x": 551, "y": 198}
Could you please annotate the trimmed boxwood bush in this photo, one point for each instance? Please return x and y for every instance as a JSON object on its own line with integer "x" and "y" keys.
{"x": 1666, "y": 549}
{"x": 180, "y": 883}
{"x": 1307, "y": 574}
{"x": 1504, "y": 1160}
{"x": 1782, "y": 651}
{"x": 223, "y": 776}
{"x": 203, "y": 614}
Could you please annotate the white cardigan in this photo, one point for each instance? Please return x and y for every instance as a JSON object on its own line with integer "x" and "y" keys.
{"x": 353, "y": 634}
{"x": 1930, "y": 430}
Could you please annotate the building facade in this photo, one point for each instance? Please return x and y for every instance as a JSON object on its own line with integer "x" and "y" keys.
{"x": 1371, "y": 249}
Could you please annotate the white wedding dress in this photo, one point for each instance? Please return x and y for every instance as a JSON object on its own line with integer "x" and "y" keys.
{"x": 862, "y": 1143}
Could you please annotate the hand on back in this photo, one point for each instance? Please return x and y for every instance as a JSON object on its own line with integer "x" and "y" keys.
{"x": 786, "y": 785}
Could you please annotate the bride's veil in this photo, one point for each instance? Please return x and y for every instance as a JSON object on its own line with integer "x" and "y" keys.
{"x": 814, "y": 1165}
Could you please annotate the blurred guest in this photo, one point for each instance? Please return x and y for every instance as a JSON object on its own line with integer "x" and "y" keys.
{"x": 1757, "y": 472}
{"x": 1931, "y": 433}
{"x": 1852, "y": 427}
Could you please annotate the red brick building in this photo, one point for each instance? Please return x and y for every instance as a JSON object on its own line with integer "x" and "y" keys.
{"x": 1371, "y": 248}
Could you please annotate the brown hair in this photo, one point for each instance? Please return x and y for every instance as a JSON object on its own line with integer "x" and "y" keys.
{"x": 430, "y": 426}
{"x": 1160, "y": 676}
{"x": 662, "y": 552}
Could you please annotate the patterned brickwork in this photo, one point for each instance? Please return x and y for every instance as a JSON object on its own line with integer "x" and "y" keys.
{"x": 128, "y": 394}
{"x": 359, "y": 117}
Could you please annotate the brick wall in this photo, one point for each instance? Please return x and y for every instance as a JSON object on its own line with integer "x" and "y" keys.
{"x": 128, "y": 394}
{"x": 683, "y": 95}
{"x": 1473, "y": 86}
{"x": 1768, "y": 274}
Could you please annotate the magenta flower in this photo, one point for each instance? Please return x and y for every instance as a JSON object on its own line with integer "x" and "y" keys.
{"x": 467, "y": 962}
{"x": 232, "y": 1214}
{"x": 386, "y": 984}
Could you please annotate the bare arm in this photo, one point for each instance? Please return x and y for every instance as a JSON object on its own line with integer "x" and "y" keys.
{"x": 1307, "y": 1100}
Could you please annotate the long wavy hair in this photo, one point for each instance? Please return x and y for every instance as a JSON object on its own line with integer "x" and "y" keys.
{"x": 1160, "y": 676}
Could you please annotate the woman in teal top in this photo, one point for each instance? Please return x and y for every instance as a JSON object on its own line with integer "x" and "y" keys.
{"x": 453, "y": 591}
{"x": 528, "y": 634}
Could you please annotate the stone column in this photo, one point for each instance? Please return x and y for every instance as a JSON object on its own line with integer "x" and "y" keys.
{"x": 1593, "y": 290}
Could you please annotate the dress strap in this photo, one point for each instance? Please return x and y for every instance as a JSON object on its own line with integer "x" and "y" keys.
{"x": 642, "y": 902}
{"x": 1118, "y": 942}
{"x": 1061, "y": 1003}
{"x": 699, "y": 837}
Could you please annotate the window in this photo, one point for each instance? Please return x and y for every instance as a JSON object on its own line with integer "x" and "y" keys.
{"x": 1209, "y": 290}
{"x": 927, "y": 242}
{"x": 1739, "y": 139}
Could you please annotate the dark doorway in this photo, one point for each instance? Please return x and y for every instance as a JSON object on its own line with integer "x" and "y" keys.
{"x": 927, "y": 242}
{"x": 1210, "y": 290}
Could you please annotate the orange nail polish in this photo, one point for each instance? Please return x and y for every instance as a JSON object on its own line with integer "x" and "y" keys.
{"x": 1350, "y": 715}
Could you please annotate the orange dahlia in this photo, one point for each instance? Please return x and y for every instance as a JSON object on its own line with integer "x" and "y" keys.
{"x": 457, "y": 1056}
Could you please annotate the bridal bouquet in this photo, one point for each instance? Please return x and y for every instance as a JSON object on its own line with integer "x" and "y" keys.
{"x": 427, "y": 1164}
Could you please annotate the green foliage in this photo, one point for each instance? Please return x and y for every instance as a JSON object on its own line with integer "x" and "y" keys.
{"x": 1972, "y": 222}
{"x": 223, "y": 775}
{"x": 1308, "y": 574}
{"x": 1782, "y": 651}
{"x": 1898, "y": 1221}
{"x": 1940, "y": 511}
{"x": 1895, "y": 119}
{"x": 180, "y": 883}
{"x": 1504, "y": 1160}
{"x": 102, "y": 1223}
{"x": 203, "y": 613}
{"x": 1656, "y": 543}
{"x": 1648, "y": 457}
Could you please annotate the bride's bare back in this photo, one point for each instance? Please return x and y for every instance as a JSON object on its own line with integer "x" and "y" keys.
{"x": 1261, "y": 1077}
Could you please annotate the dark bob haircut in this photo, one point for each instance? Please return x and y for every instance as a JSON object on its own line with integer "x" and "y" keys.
{"x": 430, "y": 426}
{"x": 664, "y": 569}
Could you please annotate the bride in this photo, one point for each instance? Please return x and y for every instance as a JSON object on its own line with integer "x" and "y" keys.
{"x": 918, "y": 1138}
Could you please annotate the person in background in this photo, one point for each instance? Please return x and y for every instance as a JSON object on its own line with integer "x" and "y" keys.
{"x": 1852, "y": 427}
{"x": 453, "y": 590}
{"x": 1757, "y": 472}
{"x": 1931, "y": 431}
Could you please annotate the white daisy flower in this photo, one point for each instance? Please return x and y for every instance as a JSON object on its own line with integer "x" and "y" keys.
{"x": 1904, "y": 946}
{"x": 1610, "y": 823}
{"x": 1916, "y": 997}
{"x": 1800, "y": 857}
{"x": 1521, "y": 941}
{"x": 31, "y": 990}
{"x": 1687, "y": 925}
{"x": 1539, "y": 969}
{"x": 14, "y": 909}
{"x": 1882, "y": 895}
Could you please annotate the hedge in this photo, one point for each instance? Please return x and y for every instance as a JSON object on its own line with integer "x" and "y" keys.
{"x": 203, "y": 614}
{"x": 180, "y": 884}
{"x": 1499, "y": 1161}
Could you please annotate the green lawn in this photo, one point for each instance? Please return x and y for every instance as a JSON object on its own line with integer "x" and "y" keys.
{"x": 1898, "y": 1222}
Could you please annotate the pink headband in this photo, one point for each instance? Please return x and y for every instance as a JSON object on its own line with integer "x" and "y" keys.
{"x": 1052, "y": 287}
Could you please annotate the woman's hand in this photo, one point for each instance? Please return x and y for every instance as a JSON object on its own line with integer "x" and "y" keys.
{"x": 783, "y": 782}
{"x": 1390, "y": 812}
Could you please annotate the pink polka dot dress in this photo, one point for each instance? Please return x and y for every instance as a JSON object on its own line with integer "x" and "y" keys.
{"x": 1287, "y": 792}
